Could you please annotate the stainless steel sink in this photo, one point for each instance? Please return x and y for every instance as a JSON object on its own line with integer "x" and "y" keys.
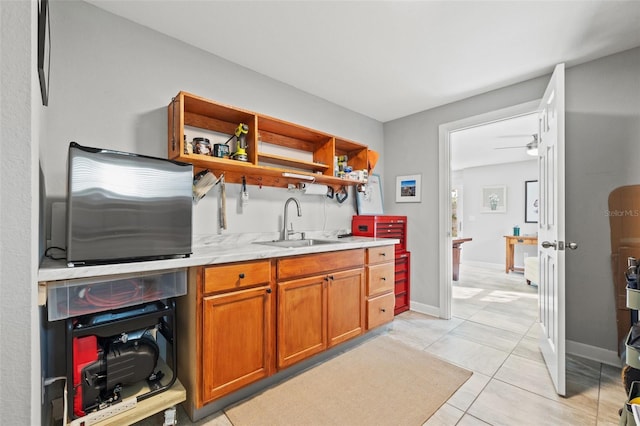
{"x": 296, "y": 243}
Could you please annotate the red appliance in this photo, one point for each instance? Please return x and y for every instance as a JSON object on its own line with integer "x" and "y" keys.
{"x": 384, "y": 226}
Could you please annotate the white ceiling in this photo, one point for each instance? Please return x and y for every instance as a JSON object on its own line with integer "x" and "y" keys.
{"x": 390, "y": 59}
{"x": 497, "y": 142}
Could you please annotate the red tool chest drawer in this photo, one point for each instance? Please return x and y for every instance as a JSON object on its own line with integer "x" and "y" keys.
{"x": 386, "y": 226}
{"x": 381, "y": 227}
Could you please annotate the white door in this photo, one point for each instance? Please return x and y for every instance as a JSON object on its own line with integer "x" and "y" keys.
{"x": 551, "y": 229}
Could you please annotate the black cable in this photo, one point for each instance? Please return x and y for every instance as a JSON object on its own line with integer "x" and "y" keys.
{"x": 50, "y": 256}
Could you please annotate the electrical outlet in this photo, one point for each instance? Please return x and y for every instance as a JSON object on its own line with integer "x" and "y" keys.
{"x": 105, "y": 413}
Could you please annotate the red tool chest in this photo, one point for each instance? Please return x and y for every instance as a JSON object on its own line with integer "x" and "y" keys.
{"x": 385, "y": 226}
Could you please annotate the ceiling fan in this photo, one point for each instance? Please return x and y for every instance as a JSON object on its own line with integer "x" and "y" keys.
{"x": 531, "y": 147}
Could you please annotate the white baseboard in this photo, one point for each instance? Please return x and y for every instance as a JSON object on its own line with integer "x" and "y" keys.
{"x": 425, "y": 309}
{"x": 594, "y": 353}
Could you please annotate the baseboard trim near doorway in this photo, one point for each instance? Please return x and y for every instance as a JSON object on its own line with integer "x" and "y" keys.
{"x": 593, "y": 353}
{"x": 422, "y": 308}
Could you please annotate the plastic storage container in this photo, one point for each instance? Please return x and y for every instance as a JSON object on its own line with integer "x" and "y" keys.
{"x": 72, "y": 298}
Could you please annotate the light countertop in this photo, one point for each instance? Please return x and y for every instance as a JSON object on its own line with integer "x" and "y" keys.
{"x": 210, "y": 250}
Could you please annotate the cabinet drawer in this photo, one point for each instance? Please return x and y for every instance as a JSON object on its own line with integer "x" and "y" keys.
{"x": 380, "y": 310}
{"x": 401, "y": 264}
{"x": 380, "y": 278}
{"x": 235, "y": 276}
{"x": 402, "y": 275}
{"x": 380, "y": 254}
{"x": 401, "y": 286}
{"x": 315, "y": 264}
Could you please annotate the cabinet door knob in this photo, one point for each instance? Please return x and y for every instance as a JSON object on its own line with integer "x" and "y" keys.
{"x": 383, "y": 254}
{"x": 268, "y": 291}
{"x": 331, "y": 277}
{"x": 383, "y": 310}
{"x": 241, "y": 275}
{"x": 383, "y": 278}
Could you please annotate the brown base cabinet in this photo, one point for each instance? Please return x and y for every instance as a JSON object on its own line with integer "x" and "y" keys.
{"x": 302, "y": 319}
{"x": 234, "y": 356}
{"x": 241, "y": 322}
{"x": 380, "y": 295}
{"x": 318, "y": 311}
{"x": 226, "y": 329}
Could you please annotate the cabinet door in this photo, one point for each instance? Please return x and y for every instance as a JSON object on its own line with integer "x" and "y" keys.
{"x": 302, "y": 313}
{"x": 236, "y": 342}
{"x": 345, "y": 305}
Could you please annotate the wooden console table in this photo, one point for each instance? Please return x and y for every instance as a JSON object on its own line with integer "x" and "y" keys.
{"x": 456, "y": 256}
{"x": 511, "y": 241}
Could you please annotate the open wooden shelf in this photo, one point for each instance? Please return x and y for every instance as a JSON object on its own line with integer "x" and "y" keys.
{"x": 274, "y": 146}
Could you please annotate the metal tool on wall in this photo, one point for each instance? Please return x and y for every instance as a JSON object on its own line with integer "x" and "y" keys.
{"x": 223, "y": 204}
{"x": 241, "y": 143}
{"x": 244, "y": 195}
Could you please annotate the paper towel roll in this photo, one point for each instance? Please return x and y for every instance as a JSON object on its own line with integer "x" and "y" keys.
{"x": 314, "y": 189}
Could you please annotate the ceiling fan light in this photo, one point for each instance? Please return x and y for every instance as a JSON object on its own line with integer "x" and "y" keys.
{"x": 532, "y": 147}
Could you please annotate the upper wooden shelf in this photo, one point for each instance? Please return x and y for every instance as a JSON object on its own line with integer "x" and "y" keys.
{"x": 274, "y": 146}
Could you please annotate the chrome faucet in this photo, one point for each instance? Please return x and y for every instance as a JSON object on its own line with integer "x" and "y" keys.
{"x": 284, "y": 235}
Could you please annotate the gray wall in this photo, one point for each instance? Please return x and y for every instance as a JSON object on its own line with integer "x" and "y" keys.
{"x": 488, "y": 229}
{"x": 602, "y": 150}
{"x": 602, "y": 140}
{"x": 412, "y": 147}
{"x": 112, "y": 81}
{"x": 20, "y": 110}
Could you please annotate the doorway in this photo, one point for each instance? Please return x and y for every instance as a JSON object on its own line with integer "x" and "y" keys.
{"x": 446, "y": 185}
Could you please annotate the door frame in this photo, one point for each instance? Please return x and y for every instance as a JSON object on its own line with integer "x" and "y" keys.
{"x": 444, "y": 191}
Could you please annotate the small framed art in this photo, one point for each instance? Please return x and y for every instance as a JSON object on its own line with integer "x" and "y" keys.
{"x": 494, "y": 199}
{"x": 408, "y": 189}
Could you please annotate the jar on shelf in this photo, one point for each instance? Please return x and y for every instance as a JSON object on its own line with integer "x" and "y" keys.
{"x": 201, "y": 146}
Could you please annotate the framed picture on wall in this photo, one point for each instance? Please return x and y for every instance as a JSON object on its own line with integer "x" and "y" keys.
{"x": 494, "y": 199}
{"x": 408, "y": 189}
{"x": 531, "y": 202}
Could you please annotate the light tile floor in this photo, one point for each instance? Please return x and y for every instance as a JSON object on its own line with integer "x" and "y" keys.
{"x": 494, "y": 333}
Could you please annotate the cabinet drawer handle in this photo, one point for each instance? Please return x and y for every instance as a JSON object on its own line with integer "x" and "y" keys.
{"x": 383, "y": 254}
{"x": 241, "y": 275}
{"x": 383, "y": 278}
{"x": 268, "y": 291}
{"x": 383, "y": 309}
